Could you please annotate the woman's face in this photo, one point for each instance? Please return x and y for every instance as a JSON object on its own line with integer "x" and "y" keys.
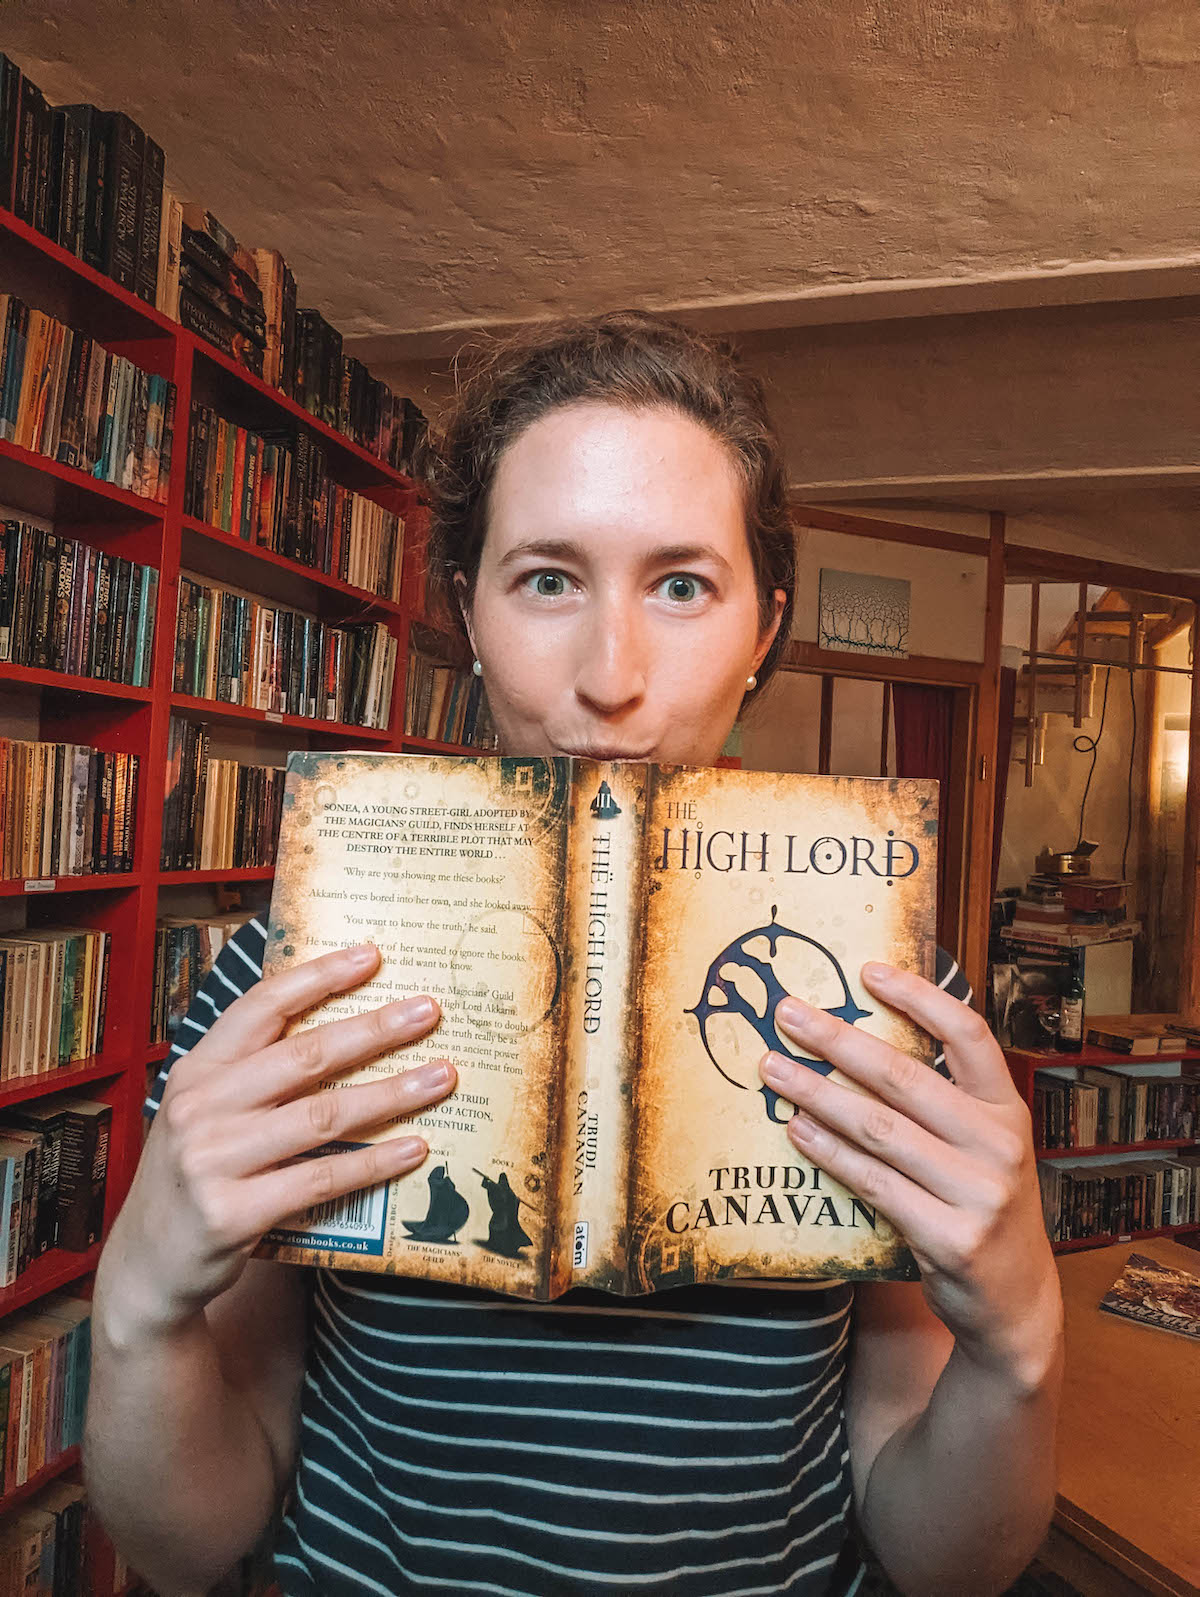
{"x": 615, "y": 612}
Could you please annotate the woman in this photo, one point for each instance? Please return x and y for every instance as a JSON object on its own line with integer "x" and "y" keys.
{"x": 609, "y": 500}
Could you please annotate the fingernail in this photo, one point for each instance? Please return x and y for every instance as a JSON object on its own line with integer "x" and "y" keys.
{"x": 801, "y": 1128}
{"x": 777, "y": 1072}
{"x": 874, "y": 971}
{"x": 365, "y": 954}
{"x": 432, "y": 1076}
{"x": 794, "y": 1012}
{"x": 420, "y": 1009}
{"x": 410, "y": 1147}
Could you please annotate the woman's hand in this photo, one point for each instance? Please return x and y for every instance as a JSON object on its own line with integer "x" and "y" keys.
{"x": 949, "y": 1163}
{"x": 224, "y": 1160}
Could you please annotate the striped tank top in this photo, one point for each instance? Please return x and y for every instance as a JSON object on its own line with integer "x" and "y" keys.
{"x": 691, "y": 1443}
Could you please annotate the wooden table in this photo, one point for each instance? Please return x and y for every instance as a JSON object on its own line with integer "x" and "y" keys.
{"x": 1128, "y": 1512}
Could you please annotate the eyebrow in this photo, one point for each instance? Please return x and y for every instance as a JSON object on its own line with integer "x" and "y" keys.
{"x": 567, "y": 549}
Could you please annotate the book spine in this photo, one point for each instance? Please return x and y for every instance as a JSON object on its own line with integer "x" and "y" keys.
{"x": 603, "y": 888}
{"x": 146, "y": 277}
{"x": 122, "y": 214}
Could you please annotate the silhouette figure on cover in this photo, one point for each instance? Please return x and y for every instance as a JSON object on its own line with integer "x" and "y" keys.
{"x": 506, "y": 1235}
{"x": 448, "y": 1209}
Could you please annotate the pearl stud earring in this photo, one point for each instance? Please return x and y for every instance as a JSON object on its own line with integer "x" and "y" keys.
{"x": 751, "y": 683}
{"x": 477, "y": 668}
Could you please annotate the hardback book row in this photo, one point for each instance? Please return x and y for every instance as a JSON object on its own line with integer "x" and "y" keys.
{"x": 185, "y": 949}
{"x": 238, "y": 649}
{"x": 64, "y": 395}
{"x": 1104, "y": 1107}
{"x": 53, "y": 1176}
{"x": 446, "y": 703}
{"x": 275, "y": 491}
{"x": 53, "y": 998}
{"x": 44, "y": 1365}
{"x": 94, "y": 182}
{"x": 65, "y": 809}
{"x": 90, "y": 180}
{"x": 244, "y": 302}
{"x": 218, "y": 813}
{"x": 65, "y": 606}
{"x": 54, "y": 1546}
{"x": 1119, "y": 1197}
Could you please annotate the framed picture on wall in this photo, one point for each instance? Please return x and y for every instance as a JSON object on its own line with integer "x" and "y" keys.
{"x": 864, "y": 614}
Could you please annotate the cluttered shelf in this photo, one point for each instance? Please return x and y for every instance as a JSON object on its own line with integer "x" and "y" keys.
{"x": 1108, "y": 1238}
{"x": 1154, "y": 1145}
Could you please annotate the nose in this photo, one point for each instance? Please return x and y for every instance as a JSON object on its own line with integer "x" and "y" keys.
{"x": 612, "y": 667}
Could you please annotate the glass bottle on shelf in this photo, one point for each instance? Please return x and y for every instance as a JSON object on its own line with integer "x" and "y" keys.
{"x": 1069, "y": 1039}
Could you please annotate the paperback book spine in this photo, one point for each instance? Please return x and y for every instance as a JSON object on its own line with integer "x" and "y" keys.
{"x": 603, "y": 901}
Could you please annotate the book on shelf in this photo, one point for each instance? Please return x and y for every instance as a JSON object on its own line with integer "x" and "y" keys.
{"x": 274, "y": 491}
{"x": 185, "y": 950}
{"x": 65, "y": 809}
{"x": 44, "y": 1365}
{"x": 445, "y": 703}
{"x": 1032, "y": 933}
{"x": 1152, "y": 1293}
{"x": 95, "y": 183}
{"x": 235, "y": 648}
{"x": 54, "y": 1546}
{"x": 218, "y": 813}
{"x": 607, "y": 942}
{"x": 1105, "y": 1107}
{"x": 1137, "y": 1036}
{"x": 1121, "y": 1196}
{"x": 53, "y": 1179}
{"x": 53, "y": 998}
{"x": 66, "y": 396}
{"x": 82, "y": 1173}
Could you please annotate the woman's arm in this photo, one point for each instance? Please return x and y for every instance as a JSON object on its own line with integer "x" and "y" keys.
{"x": 953, "y": 1464}
{"x": 952, "y": 1424}
{"x": 198, "y": 1349}
{"x": 191, "y": 1431}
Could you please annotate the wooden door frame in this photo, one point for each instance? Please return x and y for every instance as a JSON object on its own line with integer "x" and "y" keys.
{"x": 1008, "y": 562}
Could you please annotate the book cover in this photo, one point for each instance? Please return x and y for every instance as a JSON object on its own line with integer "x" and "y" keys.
{"x": 126, "y": 149}
{"x": 607, "y": 942}
{"x": 1155, "y": 1294}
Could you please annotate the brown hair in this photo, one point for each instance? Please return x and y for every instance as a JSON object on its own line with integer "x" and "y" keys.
{"x": 629, "y": 358}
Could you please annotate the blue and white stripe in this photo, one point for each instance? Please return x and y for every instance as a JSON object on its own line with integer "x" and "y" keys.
{"x": 690, "y": 1443}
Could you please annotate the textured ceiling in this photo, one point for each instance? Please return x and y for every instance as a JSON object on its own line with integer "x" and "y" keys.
{"x": 760, "y": 165}
{"x": 438, "y": 166}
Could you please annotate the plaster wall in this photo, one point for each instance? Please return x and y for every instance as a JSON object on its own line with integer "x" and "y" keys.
{"x": 948, "y": 590}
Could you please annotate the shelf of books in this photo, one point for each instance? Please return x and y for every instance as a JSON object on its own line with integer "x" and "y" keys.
{"x": 1117, "y": 1132}
{"x": 205, "y": 560}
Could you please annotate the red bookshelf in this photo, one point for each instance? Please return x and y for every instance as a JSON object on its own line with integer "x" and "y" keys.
{"x": 1024, "y": 1063}
{"x": 217, "y": 710}
{"x": 49, "y": 1472}
{"x": 1106, "y": 1149}
{"x": 114, "y": 717}
{"x": 209, "y": 550}
{"x": 28, "y": 676}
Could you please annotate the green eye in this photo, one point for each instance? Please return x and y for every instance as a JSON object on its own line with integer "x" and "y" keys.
{"x": 683, "y": 589}
{"x": 549, "y": 584}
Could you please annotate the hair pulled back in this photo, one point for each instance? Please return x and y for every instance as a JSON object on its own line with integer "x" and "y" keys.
{"x": 633, "y": 359}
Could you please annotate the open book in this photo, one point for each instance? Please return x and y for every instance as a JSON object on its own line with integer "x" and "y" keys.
{"x": 608, "y": 942}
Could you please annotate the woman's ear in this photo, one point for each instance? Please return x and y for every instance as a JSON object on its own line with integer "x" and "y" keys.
{"x": 768, "y": 636}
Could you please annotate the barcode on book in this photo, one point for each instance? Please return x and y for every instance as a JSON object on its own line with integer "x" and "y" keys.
{"x": 579, "y": 1256}
{"x": 350, "y": 1224}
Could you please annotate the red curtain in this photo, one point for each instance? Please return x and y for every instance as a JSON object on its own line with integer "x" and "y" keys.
{"x": 923, "y": 718}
